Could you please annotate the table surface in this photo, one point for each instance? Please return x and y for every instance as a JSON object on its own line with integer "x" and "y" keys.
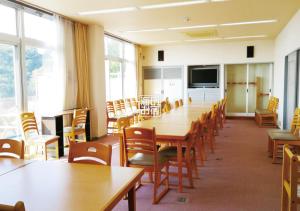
{"x": 57, "y": 185}
{"x": 176, "y": 123}
{"x": 11, "y": 164}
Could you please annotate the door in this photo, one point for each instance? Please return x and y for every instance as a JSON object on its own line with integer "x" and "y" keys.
{"x": 172, "y": 83}
{"x": 236, "y": 88}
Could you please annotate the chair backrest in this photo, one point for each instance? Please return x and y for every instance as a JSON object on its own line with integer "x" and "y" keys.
{"x": 273, "y": 104}
{"x": 11, "y": 148}
{"x": 139, "y": 140}
{"x": 291, "y": 179}
{"x": 190, "y": 100}
{"x": 128, "y": 106}
{"x": 122, "y": 123}
{"x": 180, "y": 102}
{"x": 90, "y": 153}
{"x": 134, "y": 104}
{"x": 295, "y": 120}
{"x": 162, "y": 106}
{"x": 122, "y": 105}
{"x": 176, "y": 104}
{"x": 29, "y": 125}
{"x": 19, "y": 206}
{"x": 117, "y": 105}
{"x": 79, "y": 118}
{"x": 110, "y": 109}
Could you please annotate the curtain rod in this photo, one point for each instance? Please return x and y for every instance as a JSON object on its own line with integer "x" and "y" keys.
{"x": 119, "y": 38}
{"x": 40, "y": 9}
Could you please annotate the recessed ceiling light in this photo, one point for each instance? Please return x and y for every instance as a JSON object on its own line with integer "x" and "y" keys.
{"x": 145, "y": 30}
{"x": 248, "y": 22}
{"x": 172, "y": 4}
{"x": 204, "y": 39}
{"x": 192, "y": 27}
{"x": 123, "y": 9}
{"x": 245, "y": 37}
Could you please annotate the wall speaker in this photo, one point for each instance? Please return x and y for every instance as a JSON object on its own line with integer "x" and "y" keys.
{"x": 250, "y": 51}
{"x": 161, "y": 55}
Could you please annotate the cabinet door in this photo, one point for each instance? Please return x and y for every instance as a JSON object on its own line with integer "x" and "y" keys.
{"x": 259, "y": 86}
{"x": 172, "y": 83}
{"x": 152, "y": 81}
{"x": 236, "y": 76}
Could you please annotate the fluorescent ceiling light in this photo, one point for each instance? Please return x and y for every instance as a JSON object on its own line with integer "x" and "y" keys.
{"x": 249, "y": 22}
{"x": 245, "y": 37}
{"x": 124, "y": 9}
{"x": 145, "y": 30}
{"x": 172, "y": 4}
{"x": 204, "y": 39}
{"x": 163, "y": 42}
{"x": 193, "y": 27}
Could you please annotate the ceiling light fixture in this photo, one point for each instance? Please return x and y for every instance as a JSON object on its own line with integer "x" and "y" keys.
{"x": 192, "y": 27}
{"x": 204, "y": 39}
{"x": 163, "y": 42}
{"x": 106, "y": 11}
{"x": 248, "y": 22}
{"x": 172, "y": 4}
{"x": 245, "y": 37}
{"x": 145, "y": 30}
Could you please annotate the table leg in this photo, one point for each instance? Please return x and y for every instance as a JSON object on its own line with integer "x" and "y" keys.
{"x": 121, "y": 151}
{"x": 179, "y": 159}
{"x": 131, "y": 199}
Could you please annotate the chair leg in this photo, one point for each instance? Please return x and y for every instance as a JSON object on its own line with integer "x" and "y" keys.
{"x": 189, "y": 169}
{"x": 45, "y": 151}
{"x": 275, "y": 147}
{"x": 194, "y": 165}
{"x": 57, "y": 150}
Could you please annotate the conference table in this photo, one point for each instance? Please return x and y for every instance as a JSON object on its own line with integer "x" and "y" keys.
{"x": 172, "y": 127}
{"x": 62, "y": 186}
{"x": 8, "y": 164}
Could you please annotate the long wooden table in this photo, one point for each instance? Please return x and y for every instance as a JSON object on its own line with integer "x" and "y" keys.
{"x": 61, "y": 186}
{"x": 11, "y": 164}
{"x": 173, "y": 127}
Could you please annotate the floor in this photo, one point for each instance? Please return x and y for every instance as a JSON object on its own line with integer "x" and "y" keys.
{"x": 238, "y": 176}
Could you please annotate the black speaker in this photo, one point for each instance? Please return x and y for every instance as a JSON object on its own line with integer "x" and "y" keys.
{"x": 250, "y": 51}
{"x": 161, "y": 55}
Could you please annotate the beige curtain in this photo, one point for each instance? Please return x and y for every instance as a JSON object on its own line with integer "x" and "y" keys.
{"x": 138, "y": 60}
{"x": 81, "y": 53}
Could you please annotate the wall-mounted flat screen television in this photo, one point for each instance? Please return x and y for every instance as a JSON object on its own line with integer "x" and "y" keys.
{"x": 200, "y": 76}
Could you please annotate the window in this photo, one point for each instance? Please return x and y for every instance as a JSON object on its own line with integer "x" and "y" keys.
{"x": 28, "y": 78}
{"x": 120, "y": 69}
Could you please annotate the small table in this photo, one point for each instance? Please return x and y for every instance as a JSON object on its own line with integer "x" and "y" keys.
{"x": 57, "y": 185}
{"x": 11, "y": 164}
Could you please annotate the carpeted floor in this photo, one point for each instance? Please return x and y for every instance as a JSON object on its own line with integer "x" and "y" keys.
{"x": 238, "y": 176}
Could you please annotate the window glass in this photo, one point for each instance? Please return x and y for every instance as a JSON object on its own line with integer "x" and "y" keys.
{"x": 8, "y": 20}
{"x": 130, "y": 80}
{"x": 113, "y": 47}
{"x": 129, "y": 52}
{"x": 8, "y": 96}
{"x": 40, "y": 78}
{"x": 115, "y": 80}
{"x": 39, "y": 28}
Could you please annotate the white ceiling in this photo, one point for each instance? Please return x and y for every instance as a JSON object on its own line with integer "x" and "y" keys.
{"x": 212, "y": 13}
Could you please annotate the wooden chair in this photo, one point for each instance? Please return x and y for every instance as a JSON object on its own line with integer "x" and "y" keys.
{"x": 19, "y": 206}
{"x": 290, "y": 197}
{"x": 128, "y": 106}
{"x": 180, "y": 102}
{"x": 78, "y": 125}
{"x": 90, "y": 153}
{"x": 122, "y": 105}
{"x": 142, "y": 143}
{"x": 118, "y": 108}
{"x": 176, "y": 104}
{"x": 162, "y": 106}
{"x": 223, "y": 112}
{"x": 11, "y": 148}
{"x": 189, "y": 153}
{"x": 277, "y": 140}
{"x": 190, "y": 100}
{"x": 32, "y": 137}
{"x": 111, "y": 118}
{"x": 208, "y": 122}
{"x": 268, "y": 117}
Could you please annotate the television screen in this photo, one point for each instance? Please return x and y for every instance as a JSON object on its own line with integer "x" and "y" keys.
{"x": 205, "y": 76}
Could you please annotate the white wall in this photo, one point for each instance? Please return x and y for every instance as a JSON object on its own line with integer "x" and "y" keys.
{"x": 286, "y": 42}
{"x": 97, "y": 80}
{"x": 220, "y": 52}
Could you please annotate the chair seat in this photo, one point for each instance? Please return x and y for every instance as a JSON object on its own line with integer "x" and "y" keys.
{"x": 270, "y": 131}
{"x": 171, "y": 151}
{"x": 69, "y": 129}
{"x": 283, "y": 136}
{"x": 263, "y": 111}
{"x": 143, "y": 159}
